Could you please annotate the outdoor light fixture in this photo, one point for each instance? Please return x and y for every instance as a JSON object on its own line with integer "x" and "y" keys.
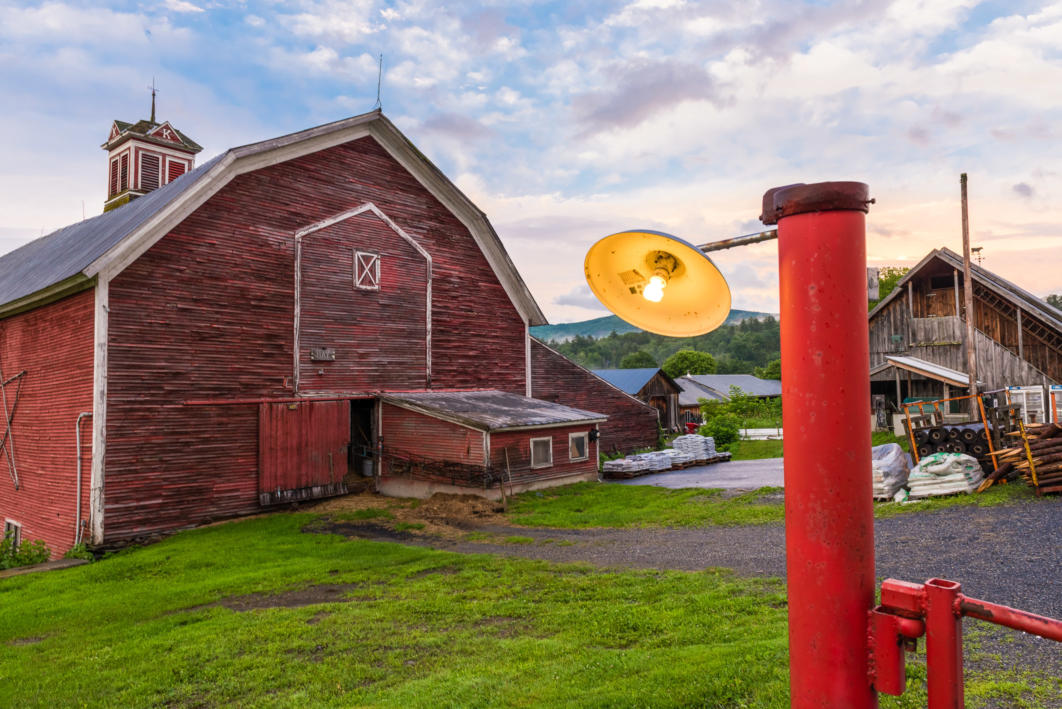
{"x": 658, "y": 283}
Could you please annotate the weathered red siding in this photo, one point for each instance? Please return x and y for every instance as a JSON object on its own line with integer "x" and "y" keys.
{"x": 517, "y": 444}
{"x": 54, "y": 345}
{"x": 208, "y": 312}
{"x": 302, "y": 450}
{"x": 412, "y": 435}
{"x": 378, "y": 336}
{"x": 631, "y": 424}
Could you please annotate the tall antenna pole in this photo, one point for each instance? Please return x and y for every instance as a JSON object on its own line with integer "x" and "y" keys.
{"x": 379, "y": 82}
{"x": 967, "y": 282}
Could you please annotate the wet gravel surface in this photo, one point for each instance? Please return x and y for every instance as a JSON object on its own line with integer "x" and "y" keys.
{"x": 1010, "y": 554}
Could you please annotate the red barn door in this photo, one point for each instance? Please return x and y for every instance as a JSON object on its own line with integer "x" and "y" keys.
{"x": 302, "y": 450}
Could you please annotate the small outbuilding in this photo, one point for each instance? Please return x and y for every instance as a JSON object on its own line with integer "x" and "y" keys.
{"x": 651, "y": 385}
{"x": 493, "y": 440}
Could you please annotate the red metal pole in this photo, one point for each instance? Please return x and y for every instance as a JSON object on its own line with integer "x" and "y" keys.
{"x": 826, "y": 417}
{"x": 943, "y": 644}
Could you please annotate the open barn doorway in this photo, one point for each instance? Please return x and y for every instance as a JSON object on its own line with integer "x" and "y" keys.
{"x": 363, "y": 437}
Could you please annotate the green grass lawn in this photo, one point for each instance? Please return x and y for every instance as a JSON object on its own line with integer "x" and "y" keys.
{"x": 198, "y": 621}
{"x": 757, "y": 450}
{"x": 593, "y": 504}
{"x": 420, "y": 628}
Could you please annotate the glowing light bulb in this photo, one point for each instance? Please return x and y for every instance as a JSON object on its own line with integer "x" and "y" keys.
{"x": 654, "y": 290}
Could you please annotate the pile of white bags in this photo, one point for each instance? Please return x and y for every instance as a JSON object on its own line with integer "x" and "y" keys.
{"x": 699, "y": 448}
{"x": 890, "y": 466}
{"x": 945, "y": 474}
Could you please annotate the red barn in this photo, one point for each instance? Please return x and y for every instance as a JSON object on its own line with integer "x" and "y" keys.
{"x": 253, "y": 331}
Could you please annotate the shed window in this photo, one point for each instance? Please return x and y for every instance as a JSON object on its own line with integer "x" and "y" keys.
{"x": 541, "y": 452}
{"x": 366, "y": 270}
{"x": 577, "y": 447}
{"x": 13, "y": 530}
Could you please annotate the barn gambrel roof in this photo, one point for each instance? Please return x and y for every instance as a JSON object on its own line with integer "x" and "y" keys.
{"x": 68, "y": 260}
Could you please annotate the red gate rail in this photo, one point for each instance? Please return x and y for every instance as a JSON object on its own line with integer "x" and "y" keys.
{"x": 936, "y": 608}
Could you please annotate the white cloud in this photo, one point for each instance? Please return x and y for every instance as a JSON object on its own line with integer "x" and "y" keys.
{"x": 182, "y": 6}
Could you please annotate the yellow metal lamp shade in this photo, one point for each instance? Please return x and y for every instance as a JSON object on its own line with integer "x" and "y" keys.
{"x": 658, "y": 282}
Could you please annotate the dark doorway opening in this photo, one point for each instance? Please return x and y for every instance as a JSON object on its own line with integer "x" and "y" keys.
{"x": 362, "y": 437}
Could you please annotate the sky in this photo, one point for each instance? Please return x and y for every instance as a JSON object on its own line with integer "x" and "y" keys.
{"x": 569, "y": 121}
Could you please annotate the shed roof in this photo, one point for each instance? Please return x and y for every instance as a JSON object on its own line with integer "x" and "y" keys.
{"x": 926, "y": 369}
{"x": 692, "y": 392}
{"x": 72, "y": 256}
{"x": 630, "y": 381}
{"x": 749, "y": 384}
{"x": 492, "y": 410}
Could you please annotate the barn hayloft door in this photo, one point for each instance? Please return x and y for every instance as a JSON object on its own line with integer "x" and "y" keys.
{"x": 302, "y": 450}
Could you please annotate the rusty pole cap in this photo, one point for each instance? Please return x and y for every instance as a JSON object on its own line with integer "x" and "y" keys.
{"x": 787, "y": 200}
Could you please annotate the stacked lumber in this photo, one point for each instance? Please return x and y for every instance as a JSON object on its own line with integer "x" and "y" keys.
{"x": 1045, "y": 451}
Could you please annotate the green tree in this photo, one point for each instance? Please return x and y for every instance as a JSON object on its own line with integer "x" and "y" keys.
{"x": 689, "y": 362}
{"x": 773, "y": 370}
{"x": 637, "y": 360}
{"x": 888, "y": 277}
{"x": 1055, "y": 299}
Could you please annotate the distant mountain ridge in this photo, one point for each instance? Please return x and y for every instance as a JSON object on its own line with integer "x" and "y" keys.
{"x": 603, "y": 327}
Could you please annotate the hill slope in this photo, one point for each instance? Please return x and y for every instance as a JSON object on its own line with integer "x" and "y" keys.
{"x": 602, "y": 327}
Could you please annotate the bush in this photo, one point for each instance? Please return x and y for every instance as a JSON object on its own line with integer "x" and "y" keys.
{"x": 724, "y": 428}
{"x": 79, "y": 551}
{"x": 27, "y": 554}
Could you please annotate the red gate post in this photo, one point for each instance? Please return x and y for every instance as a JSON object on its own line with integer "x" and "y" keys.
{"x": 829, "y": 513}
{"x": 943, "y": 644}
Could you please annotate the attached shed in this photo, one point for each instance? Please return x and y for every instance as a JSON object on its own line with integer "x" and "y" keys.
{"x": 226, "y": 341}
{"x": 500, "y": 442}
{"x": 919, "y": 331}
{"x": 653, "y": 386}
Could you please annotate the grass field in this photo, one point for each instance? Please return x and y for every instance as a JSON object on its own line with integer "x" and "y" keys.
{"x": 403, "y": 627}
{"x": 260, "y": 613}
{"x": 594, "y": 504}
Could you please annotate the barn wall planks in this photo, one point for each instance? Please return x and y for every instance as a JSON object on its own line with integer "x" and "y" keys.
{"x": 207, "y": 313}
{"x": 936, "y": 334}
{"x": 54, "y": 345}
{"x": 378, "y": 335}
{"x": 410, "y": 434}
{"x": 510, "y": 453}
{"x": 631, "y": 424}
{"x": 302, "y": 450}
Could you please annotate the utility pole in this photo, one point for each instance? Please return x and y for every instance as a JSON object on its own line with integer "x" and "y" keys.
{"x": 967, "y": 287}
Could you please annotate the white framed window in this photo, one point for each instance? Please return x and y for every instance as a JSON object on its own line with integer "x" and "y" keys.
{"x": 578, "y": 446}
{"x": 542, "y": 452}
{"x": 14, "y": 530}
{"x": 366, "y": 270}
